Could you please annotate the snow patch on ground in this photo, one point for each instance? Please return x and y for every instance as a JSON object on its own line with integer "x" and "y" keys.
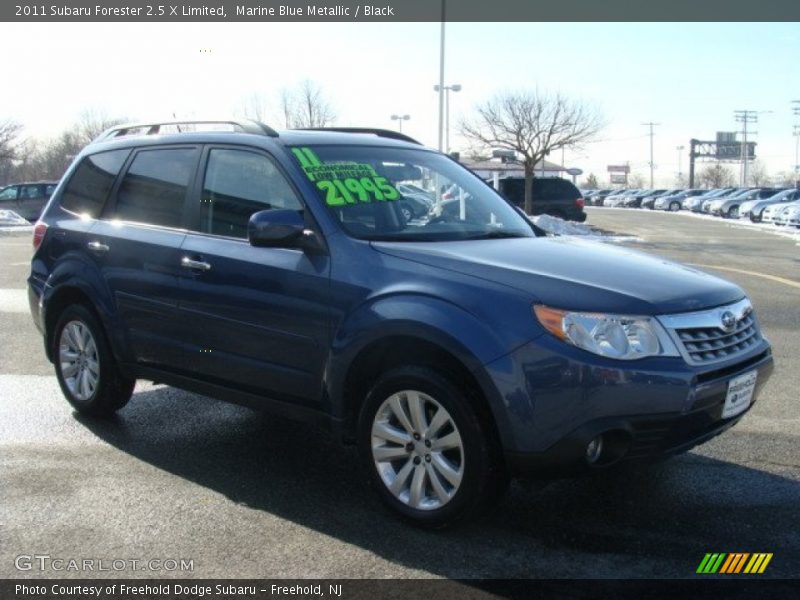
{"x": 791, "y": 233}
{"x": 555, "y": 226}
{"x": 12, "y": 223}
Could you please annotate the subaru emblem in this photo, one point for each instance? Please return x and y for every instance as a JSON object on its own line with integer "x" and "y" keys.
{"x": 728, "y": 320}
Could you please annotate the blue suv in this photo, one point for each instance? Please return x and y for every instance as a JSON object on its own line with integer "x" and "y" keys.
{"x": 456, "y": 348}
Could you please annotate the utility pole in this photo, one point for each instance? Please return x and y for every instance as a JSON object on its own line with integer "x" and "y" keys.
{"x": 745, "y": 117}
{"x": 651, "y": 134}
{"x": 441, "y": 83}
{"x": 680, "y": 173}
{"x": 796, "y": 133}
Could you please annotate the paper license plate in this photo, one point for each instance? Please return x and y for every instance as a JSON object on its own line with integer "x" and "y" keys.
{"x": 740, "y": 394}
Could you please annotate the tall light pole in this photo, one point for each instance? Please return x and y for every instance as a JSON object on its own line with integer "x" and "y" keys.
{"x": 746, "y": 117}
{"x": 651, "y": 134}
{"x": 441, "y": 81}
{"x": 680, "y": 173}
{"x": 400, "y": 119}
{"x": 456, "y": 87}
{"x": 796, "y": 133}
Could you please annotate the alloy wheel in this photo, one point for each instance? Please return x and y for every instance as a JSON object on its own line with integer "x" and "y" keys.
{"x": 417, "y": 450}
{"x": 78, "y": 358}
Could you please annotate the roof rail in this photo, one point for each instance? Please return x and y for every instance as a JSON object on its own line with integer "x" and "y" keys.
{"x": 153, "y": 128}
{"x": 386, "y": 133}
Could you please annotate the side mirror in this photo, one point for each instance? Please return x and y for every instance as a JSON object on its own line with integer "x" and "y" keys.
{"x": 276, "y": 228}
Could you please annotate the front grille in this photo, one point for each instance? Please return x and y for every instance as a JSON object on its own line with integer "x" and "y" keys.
{"x": 706, "y": 344}
{"x": 716, "y": 334}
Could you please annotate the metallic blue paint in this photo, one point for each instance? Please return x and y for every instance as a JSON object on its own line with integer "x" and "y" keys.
{"x": 287, "y": 324}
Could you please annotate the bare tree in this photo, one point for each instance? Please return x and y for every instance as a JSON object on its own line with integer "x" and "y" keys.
{"x": 758, "y": 174}
{"x": 307, "y": 106}
{"x": 531, "y": 123}
{"x": 716, "y": 176}
{"x": 9, "y": 132}
{"x": 91, "y": 123}
{"x": 9, "y": 148}
{"x": 255, "y": 107}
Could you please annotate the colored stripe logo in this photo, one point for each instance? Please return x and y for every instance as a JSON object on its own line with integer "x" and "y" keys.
{"x": 734, "y": 563}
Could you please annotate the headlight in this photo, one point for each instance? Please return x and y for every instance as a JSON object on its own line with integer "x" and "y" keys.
{"x": 623, "y": 337}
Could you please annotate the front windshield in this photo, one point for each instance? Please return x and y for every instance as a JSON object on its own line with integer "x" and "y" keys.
{"x": 414, "y": 195}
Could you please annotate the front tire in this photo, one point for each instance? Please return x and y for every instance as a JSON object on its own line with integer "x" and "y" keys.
{"x": 426, "y": 450}
{"x": 85, "y": 367}
{"x": 675, "y": 206}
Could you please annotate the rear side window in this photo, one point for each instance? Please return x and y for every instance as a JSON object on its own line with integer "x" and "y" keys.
{"x": 88, "y": 187}
{"x": 237, "y": 184}
{"x": 10, "y": 193}
{"x": 153, "y": 189}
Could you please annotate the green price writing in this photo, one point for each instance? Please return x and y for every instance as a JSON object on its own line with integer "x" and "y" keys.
{"x": 339, "y": 192}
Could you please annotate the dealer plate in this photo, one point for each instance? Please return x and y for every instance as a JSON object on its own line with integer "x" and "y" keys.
{"x": 740, "y": 394}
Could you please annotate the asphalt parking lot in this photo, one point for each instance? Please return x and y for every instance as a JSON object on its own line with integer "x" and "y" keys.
{"x": 179, "y": 476}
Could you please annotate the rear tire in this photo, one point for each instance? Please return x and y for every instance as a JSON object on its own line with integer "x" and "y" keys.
{"x": 85, "y": 366}
{"x": 428, "y": 454}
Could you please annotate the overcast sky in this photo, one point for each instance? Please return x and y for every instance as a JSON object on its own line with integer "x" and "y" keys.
{"x": 688, "y": 77}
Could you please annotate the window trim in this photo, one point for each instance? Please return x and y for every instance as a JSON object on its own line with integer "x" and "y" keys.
{"x": 60, "y": 200}
{"x": 109, "y": 210}
{"x": 193, "y": 224}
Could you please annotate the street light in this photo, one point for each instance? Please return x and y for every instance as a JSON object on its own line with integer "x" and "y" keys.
{"x": 680, "y": 173}
{"x": 400, "y": 119}
{"x": 456, "y": 87}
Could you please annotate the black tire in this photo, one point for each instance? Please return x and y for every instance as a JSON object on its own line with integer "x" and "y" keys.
{"x": 733, "y": 212}
{"x": 484, "y": 480}
{"x": 755, "y": 218}
{"x": 112, "y": 390}
{"x": 674, "y": 206}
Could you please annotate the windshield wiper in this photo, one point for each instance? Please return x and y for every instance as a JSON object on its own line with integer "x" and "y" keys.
{"x": 497, "y": 234}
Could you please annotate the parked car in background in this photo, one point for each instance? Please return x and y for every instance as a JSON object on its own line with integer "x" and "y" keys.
{"x": 414, "y": 189}
{"x": 790, "y": 215}
{"x": 771, "y": 212}
{"x": 635, "y": 200}
{"x": 616, "y": 199}
{"x": 674, "y": 202}
{"x": 695, "y": 203}
{"x": 754, "y": 209}
{"x": 650, "y": 200}
{"x": 550, "y": 195}
{"x": 27, "y": 199}
{"x": 598, "y": 199}
{"x": 729, "y": 206}
{"x": 735, "y": 192}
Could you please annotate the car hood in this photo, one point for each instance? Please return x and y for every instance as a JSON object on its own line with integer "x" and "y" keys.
{"x": 576, "y": 274}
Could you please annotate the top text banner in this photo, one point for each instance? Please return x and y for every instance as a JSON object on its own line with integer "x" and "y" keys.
{"x": 399, "y": 10}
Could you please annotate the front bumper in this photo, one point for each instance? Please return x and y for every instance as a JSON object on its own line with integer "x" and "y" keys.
{"x": 555, "y": 405}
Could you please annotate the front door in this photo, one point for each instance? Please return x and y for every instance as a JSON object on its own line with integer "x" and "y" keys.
{"x": 258, "y": 317}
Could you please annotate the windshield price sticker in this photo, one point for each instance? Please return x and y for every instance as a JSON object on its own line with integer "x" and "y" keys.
{"x": 345, "y": 183}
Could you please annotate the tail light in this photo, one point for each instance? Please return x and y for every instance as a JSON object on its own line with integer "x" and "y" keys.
{"x": 38, "y": 234}
{"x": 580, "y": 203}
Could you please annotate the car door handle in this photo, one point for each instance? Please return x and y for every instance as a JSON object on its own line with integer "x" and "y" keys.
{"x": 188, "y": 263}
{"x": 98, "y": 247}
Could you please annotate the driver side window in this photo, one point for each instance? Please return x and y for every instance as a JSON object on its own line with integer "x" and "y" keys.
{"x": 237, "y": 184}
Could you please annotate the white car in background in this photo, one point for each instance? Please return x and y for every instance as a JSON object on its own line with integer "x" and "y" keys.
{"x": 754, "y": 209}
{"x": 789, "y": 214}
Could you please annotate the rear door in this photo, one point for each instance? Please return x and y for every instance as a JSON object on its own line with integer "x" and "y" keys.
{"x": 137, "y": 245}
{"x": 258, "y": 316}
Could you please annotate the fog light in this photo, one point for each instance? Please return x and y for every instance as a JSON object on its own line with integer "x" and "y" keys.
{"x": 594, "y": 449}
